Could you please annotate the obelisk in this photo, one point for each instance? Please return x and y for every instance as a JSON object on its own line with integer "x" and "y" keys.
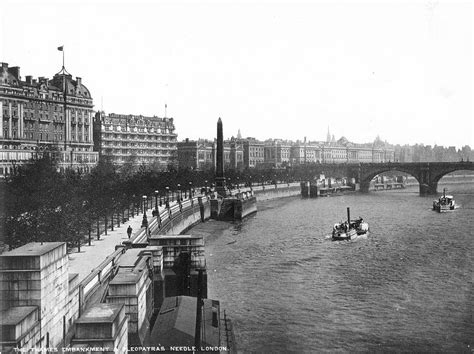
{"x": 220, "y": 179}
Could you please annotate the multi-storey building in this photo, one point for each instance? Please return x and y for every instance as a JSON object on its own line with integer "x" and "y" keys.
{"x": 277, "y": 152}
{"x": 196, "y": 154}
{"x": 305, "y": 152}
{"x": 201, "y": 154}
{"x": 254, "y": 152}
{"x": 135, "y": 139}
{"x": 43, "y": 115}
{"x": 341, "y": 151}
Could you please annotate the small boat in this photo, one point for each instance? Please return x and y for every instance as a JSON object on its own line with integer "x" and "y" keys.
{"x": 349, "y": 229}
{"x": 444, "y": 203}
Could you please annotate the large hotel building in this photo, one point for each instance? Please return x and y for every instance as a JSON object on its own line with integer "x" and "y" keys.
{"x": 135, "y": 139}
{"x": 45, "y": 115}
{"x": 56, "y": 116}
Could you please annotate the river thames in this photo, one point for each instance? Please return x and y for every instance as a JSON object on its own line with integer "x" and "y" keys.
{"x": 407, "y": 287}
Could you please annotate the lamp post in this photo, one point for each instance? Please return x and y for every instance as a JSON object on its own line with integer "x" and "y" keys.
{"x": 156, "y": 202}
{"x": 133, "y": 205}
{"x": 167, "y": 197}
{"x": 205, "y": 182}
{"x": 190, "y": 190}
{"x": 179, "y": 192}
{"x": 144, "y": 221}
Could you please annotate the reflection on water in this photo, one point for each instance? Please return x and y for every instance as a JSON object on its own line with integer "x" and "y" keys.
{"x": 288, "y": 288}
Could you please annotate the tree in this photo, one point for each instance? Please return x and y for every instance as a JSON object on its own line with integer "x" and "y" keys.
{"x": 32, "y": 200}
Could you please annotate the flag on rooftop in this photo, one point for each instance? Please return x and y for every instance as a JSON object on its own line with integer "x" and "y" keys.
{"x": 61, "y": 48}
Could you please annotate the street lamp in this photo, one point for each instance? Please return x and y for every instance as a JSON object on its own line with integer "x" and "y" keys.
{"x": 190, "y": 190}
{"x": 133, "y": 205}
{"x": 167, "y": 197}
{"x": 156, "y": 202}
{"x": 206, "y": 185}
{"x": 144, "y": 221}
{"x": 179, "y": 192}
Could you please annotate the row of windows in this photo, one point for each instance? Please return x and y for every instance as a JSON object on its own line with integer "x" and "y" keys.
{"x": 43, "y": 136}
{"x": 139, "y": 151}
{"x": 142, "y": 159}
{"x": 125, "y": 144}
{"x": 136, "y": 137}
{"x": 256, "y": 154}
{"x": 46, "y": 116}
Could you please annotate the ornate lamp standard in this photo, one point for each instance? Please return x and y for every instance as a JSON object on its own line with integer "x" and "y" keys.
{"x": 156, "y": 202}
{"x": 206, "y": 185}
{"x": 133, "y": 205}
{"x": 179, "y": 192}
{"x": 190, "y": 190}
{"x": 144, "y": 221}
{"x": 167, "y": 197}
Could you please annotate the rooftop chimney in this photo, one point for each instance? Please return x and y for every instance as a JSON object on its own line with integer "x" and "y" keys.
{"x": 79, "y": 81}
{"x": 29, "y": 79}
{"x": 15, "y": 71}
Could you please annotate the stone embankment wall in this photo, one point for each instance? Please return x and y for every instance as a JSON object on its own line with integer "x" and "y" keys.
{"x": 274, "y": 191}
{"x": 177, "y": 220}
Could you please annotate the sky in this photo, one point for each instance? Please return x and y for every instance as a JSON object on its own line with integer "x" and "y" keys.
{"x": 400, "y": 70}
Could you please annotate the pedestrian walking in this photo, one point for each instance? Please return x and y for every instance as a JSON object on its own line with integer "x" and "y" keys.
{"x": 129, "y": 231}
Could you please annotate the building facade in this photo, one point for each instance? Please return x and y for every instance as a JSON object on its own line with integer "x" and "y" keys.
{"x": 305, "y": 152}
{"x": 341, "y": 151}
{"x": 136, "y": 139}
{"x": 201, "y": 154}
{"x": 197, "y": 154}
{"x": 277, "y": 153}
{"x": 253, "y": 152}
{"x": 44, "y": 115}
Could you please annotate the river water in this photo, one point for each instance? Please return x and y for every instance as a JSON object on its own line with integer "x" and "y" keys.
{"x": 407, "y": 287}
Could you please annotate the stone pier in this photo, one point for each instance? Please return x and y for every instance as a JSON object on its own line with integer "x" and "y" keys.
{"x": 35, "y": 276}
{"x": 103, "y": 327}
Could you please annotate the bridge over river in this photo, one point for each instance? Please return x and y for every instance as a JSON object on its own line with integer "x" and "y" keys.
{"x": 427, "y": 174}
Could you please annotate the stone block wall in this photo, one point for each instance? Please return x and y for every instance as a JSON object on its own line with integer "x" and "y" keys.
{"x": 19, "y": 328}
{"x": 37, "y": 275}
{"x": 132, "y": 290}
{"x": 102, "y": 326}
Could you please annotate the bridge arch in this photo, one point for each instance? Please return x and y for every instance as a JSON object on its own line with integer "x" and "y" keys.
{"x": 440, "y": 175}
{"x": 427, "y": 174}
{"x": 367, "y": 178}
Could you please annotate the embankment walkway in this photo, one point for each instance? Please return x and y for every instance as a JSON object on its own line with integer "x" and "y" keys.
{"x": 92, "y": 256}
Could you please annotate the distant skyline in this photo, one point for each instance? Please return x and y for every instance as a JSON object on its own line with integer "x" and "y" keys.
{"x": 401, "y": 70}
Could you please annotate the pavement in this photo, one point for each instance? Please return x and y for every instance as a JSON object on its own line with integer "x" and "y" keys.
{"x": 92, "y": 256}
